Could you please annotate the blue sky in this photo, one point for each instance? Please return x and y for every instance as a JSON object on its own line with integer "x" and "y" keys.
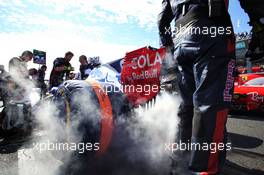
{"x": 105, "y": 28}
{"x": 239, "y": 17}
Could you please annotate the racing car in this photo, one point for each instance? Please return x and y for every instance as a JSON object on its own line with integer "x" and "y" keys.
{"x": 100, "y": 111}
{"x": 249, "y": 93}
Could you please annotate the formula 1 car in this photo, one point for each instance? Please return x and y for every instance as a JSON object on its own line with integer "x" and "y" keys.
{"x": 249, "y": 93}
{"x": 99, "y": 111}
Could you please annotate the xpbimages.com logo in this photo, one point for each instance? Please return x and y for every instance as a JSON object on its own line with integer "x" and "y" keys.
{"x": 146, "y": 89}
{"x": 212, "y": 31}
{"x": 66, "y": 146}
{"x": 212, "y": 147}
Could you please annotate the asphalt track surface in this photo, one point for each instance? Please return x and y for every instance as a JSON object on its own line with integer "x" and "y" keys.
{"x": 246, "y": 133}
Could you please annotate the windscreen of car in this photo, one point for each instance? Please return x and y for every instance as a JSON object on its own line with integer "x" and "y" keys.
{"x": 255, "y": 82}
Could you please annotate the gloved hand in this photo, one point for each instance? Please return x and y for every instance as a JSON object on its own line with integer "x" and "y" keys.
{"x": 169, "y": 64}
{"x": 170, "y": 49}
{"x": 170, "y": 61}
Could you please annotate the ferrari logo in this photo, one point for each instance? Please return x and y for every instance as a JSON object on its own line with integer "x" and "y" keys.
{"x": 244, "y": 78}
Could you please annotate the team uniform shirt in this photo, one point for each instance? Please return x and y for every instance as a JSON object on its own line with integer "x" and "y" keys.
{"x": 56, "y": 78}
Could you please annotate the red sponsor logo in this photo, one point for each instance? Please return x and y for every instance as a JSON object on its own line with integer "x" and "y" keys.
{"x": 141, "y": 68}
{"x": 229, "y": 82}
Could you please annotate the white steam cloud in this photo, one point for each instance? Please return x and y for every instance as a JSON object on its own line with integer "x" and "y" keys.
{"x": 149, "y": 129}
{"x": 154, "y": 128}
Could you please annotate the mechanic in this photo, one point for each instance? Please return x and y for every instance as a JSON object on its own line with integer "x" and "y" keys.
{"x": 206, "y": 64}
{"x": 33, "y": 72}
{"x": 61, "y": 70}
{"x": 3, "y": 82}
{"x": 18, "y": 66}
{"x": 19, "y": 75}
{"x": 41, "y": 79}
{"x": 85, "y": 67}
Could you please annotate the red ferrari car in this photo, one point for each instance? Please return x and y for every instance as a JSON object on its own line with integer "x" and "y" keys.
{"x": 249, "y": 92}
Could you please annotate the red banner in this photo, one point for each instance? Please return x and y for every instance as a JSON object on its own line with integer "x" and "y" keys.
{"x": 140, "y": 75}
